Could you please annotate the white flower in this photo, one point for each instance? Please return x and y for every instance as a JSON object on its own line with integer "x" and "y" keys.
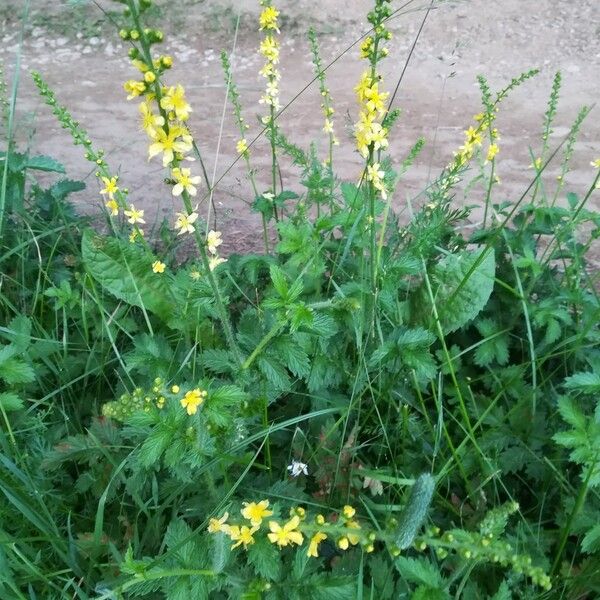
{"x": 297, "y": 468}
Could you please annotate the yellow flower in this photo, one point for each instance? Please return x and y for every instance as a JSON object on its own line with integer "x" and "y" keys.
{"x": 134, "y": 235}
{"x": 313, "y": 547}
{"x": 110, "y": 186}
{"x": 268, "y": 18}
{"x": 328, "y": 127}
{"x": 596, "y": 163}
{"x": 242, "y": 534}
{"x": 282, "y": 536}
{"x": 375, "y": 176}
{"x": 215, "y": 261}
{"x": 149, "y": 77}
{"x": 113, "y": 207}
{"x": 474, "y": 136}
{"x": 150, "y": 121}
{"x": 185, "y": 222}
{"x": 242, "y": 146}
{"x": 213, "y": 240}
{"x": 184, "y": 182}
{"x": 375, "y": 99}
{"x": 349, "y": 511}
{"x": 216, "y": 525}
{"x": 158, "y": 267}
{"x": 536, "y": 164}
{"x": 366, "y": 47}
{"x": 492, "y": 151}
{"x": 135, "y": 215}
{"x": 169, "y": 143}
{"x": 192, "y": 400}
{"x": 134, "y": 88}
{"x": 343, "y": 543}
{"x": 174, "y": 100}
{"x": 175, "y": 389}
{"x": 269, "y": 48}
{"x": 363, "y": 85}
{"x": 353, "y": 538}
{"x": 256, "y": 512}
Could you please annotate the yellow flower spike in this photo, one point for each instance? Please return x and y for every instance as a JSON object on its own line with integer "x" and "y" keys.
{"x": 268, "y": 19}
{"x": 158, "y": 267}
{"x": 313, "y": 547}
{"x": 288, "y": 534}
{"x": 135, "y": 215}
{"x": 184, "y": 182}
{"x": 256, "y": 512}
{"x": 348, "y": 511}
{"x": 192, "y": 400}
{"x": 241, "y": 535}
{"x": 174, "y": 100}
{"x": 213, "y": 241}
{"x": 113, "y": 207}
{"x": 343, "y": 543}
{"x": 217, "y": 525}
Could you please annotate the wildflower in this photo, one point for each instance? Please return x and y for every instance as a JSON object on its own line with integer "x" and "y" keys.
{"x": 474, "y": 136}
{"x": 353, "y": 538}
{"x": 375, "y": 99}
{"x": 184, "y": 182}
{"x": 536, "y": 164}
{"x": 348, "y": 511}
{"x": 320, "y": 520}
{"x": 195, "y": 274}
{"x": 174, "y": 100}
{"x": 492, "y": 151}
{"x": 596, "y": 163}
{"x": 110, "y": 187}
{"x": 215, "y": 261}
{"x": 328, "y": 127}
{"x": 175, "y": 389}
{"x": 363, "y": 85}
{"x": 343, "y": 543}
{"x": 134, "y": 235}
{"x": 185, "y": 222}
{"x": 150, "y": 121}
{"x": 140, "y": 65}
{"x": 269, "y": 48}
{"x": 297, "y": 468}
{"x": 282, "y": 536}
{"x": 216, "y": 525}
{"x": 375, "y": 176}
{"x": 213, "y": 240}
{"x": 268, "y": 18}
{"x": 177, "y": 140}
{"x": 256, "y": 512}
{"x": 158, "y": 267}
{"x": 242, "y": 146}
{"x": 192, "y": 400}
{"x": 135, "y": 215}
{"x": 242, "y": 534}
{"x": 134, "y": 88}
{"x": 313, "y": 546}
{"x": 113, "y": 207}
{"x": 366, "y": 47}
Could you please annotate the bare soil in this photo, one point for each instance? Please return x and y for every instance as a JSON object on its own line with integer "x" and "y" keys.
{"x": 78, "y": 53}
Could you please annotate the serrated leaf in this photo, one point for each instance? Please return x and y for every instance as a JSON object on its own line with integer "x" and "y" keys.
{"x": 265, "y": 558}
{"x": 15, "y": 371}
{"x": 323, "y": 587}
{"x": 461, "y": 285}
{"x": 419, "y": 571}
{"x": 221, "y": 550}
{"x": 61, "y": 189}
{"x": 279, "y": 281}
{"x": 9, "y": 401}
{"x": 503, "y": 592}
{"x": 154, "y": 446}
{"x": 125, "y": 271}
{"x": 586, "y": 383}
{"x": 44, "y": 163}
{"x": 591, "y": 540}
{"x": 19, "y": 333}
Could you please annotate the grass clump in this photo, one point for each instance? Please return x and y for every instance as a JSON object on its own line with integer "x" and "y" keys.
{"x": 364, "y": 409}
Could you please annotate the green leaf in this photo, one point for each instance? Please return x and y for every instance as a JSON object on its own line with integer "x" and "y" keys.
{"x": 461, "y": 285}
{"x": 323, "y": 587}
{"x": 419, "y": 571}
{"x": 591, "y": 540}
{"x": 15, "y": 371}
{"x": 154, "y": 446}
{"x": 503, "y": 592}
{"x": 415, "y": 511}
{"x": 44, "y": 163}
{"x": 265, "y": 558}
{"x": 61, "y": 189}
{"x": 279, "y": 281}
{"x": 9, "y": 401}
{"x": 19, "y": 333}
{"x": 586, "y": 383}
{"x": 125, "y": 271}
{"x": 221, "y": 550}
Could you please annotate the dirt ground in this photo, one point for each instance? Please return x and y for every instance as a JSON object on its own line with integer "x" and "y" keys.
{"x": 76, "y": 49}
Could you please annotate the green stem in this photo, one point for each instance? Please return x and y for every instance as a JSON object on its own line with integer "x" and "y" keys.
{"x": 261, "y": 345}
